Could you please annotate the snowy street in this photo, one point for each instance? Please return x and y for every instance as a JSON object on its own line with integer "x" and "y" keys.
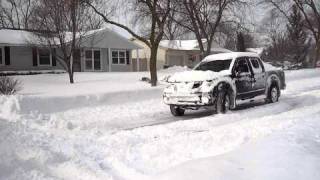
{"x": 102, "y": 128}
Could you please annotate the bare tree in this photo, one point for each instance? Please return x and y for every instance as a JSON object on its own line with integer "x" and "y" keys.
{"x": 202, "y": 17}
{"x": 297, "y": 36}
{"x": 173, "y": 30}
{"x": 61, "y": 25}
{"x": 16, "y": 14}
{"x": 154, "y": 13}
{"x": 310, "y": 9}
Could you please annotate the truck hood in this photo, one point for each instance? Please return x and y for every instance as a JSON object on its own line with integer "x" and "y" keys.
{"x": 192, "y": 76}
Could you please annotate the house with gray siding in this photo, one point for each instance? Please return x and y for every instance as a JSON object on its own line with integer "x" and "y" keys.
{"x": 100, "y": 51}
{"x": 172, "y": 53}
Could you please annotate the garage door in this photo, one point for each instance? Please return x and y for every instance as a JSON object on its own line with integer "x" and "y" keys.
{"x": 174, "y": 60}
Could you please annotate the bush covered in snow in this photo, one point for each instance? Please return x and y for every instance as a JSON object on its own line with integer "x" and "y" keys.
{"x": 9, "y": 85}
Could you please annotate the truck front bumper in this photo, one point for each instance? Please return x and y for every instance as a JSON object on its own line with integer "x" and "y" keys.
{"x": 200, "y": 99}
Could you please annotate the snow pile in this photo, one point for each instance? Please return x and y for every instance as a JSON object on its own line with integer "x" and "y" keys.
{"x": 9, "y": 106}
{"x": 171, "y": 70}
{"x": 291, "y": 154}
{"x": 269, "y": 67}
{"x": 174, "y": 69}
{"x": 192, "y": 76}
{"x": 259, "y": 51}
{"x": 130, "y": 134}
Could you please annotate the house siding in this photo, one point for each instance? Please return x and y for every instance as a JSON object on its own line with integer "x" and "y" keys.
{"x": 144, "y": 55}
{"x": 21, "y": 60}
{"x": 181, "y": 58}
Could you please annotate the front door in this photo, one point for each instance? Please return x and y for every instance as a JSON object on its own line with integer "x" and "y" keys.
{"x": 243, "y": 78}
{"x": 92, "y": 60}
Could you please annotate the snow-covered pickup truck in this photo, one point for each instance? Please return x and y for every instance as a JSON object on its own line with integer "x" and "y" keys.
{"x": 222, "y": 79}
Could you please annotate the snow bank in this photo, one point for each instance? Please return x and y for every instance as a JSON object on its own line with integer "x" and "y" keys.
{"x": 291, "y": 154}
{"x": 191, "y": 76}
{"x": 269, "y": 67}
{"x": 171, "y": 70}
{"x": 174, "y": 69}
{"x": 132, "y": 135}
{"x": 9, "y": 106}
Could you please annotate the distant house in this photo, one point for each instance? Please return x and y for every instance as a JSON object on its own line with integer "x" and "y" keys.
{"x": 101, "y": 51}
{"x": 172, "y": 53}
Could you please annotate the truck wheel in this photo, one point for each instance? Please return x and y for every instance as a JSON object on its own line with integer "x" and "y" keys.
{"x": 273, "y": 94}
{"x": 176, "y": 110}
{"x": 223, "y": 102}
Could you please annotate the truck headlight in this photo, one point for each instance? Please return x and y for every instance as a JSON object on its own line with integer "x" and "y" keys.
{"x": 169, "y": 89}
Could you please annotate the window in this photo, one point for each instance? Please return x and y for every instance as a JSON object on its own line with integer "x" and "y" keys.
{"x": 192, "y": 58}
{"x": 256, "y": 67}
{"x": 1, "y": 56}
{"x": 88, "y": 59}
{"x": 92, "y": 59}
{"x": 242, "y": 66}
{"x": 44, "y": 57}
{"x": 97, "y": 57}
{"x": 120, "y": 57}
{"x": 216, "y": 66}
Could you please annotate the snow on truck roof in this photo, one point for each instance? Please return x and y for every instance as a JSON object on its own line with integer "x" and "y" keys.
{"x": 231, "y": 55}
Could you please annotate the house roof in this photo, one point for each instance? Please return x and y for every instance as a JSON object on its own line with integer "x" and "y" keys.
{"x": 189, "y": 45}
{"x": 24, "y": 38}
{"x": 15, "y": 37}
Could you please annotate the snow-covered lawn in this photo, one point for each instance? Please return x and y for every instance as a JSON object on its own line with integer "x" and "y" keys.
{"x": 113, "y": 126}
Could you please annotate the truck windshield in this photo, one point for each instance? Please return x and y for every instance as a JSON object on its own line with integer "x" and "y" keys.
{"x": 216, "y": 66}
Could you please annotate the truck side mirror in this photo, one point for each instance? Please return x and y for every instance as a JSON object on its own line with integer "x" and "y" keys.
{"x": 238, "y": 74}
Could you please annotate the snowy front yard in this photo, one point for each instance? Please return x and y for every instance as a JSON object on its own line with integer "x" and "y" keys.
{"x": 113, "y": 126}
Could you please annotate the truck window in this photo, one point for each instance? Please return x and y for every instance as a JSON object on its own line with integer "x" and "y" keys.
{"x": 242, "y": 66}
{"x": 216, "y": 66}
{"x": 256, "y": 67}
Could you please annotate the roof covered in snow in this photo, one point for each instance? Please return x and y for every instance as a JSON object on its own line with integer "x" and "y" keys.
{"x": 259, "y": 51}
{"x": 16, "y": 37}
{"x": 232, "y": 55}
{"x": 24, "y": 38}
{"x": 189, "y": 45}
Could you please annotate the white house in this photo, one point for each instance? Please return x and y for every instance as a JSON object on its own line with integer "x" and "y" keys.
{"x": 101, "y": 50}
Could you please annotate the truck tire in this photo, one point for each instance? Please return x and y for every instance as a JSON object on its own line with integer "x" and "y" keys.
{"x": 273, "y": 94}
{"x": 176, "y": 110}
{"x": 223, "y": 102}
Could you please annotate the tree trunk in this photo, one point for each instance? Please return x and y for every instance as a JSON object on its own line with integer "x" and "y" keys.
{"x": 208, "y": 50}
{"x": 317, "y": 55}
{"x": 240, "y": 43}
{"x": 70, "y": 71}
{"x": 71, "y": 77}
{"x": 153, "y": 65}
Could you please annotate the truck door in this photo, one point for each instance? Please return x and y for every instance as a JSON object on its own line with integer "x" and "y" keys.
{"x": 259, "y": 75}
{"x": 243, "y": 78}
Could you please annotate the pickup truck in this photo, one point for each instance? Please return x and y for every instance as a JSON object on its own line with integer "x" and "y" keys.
{"x": 221, "y": 80}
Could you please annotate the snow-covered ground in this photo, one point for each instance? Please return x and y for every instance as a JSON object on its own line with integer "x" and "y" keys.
{"x": 113, "y": 126}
